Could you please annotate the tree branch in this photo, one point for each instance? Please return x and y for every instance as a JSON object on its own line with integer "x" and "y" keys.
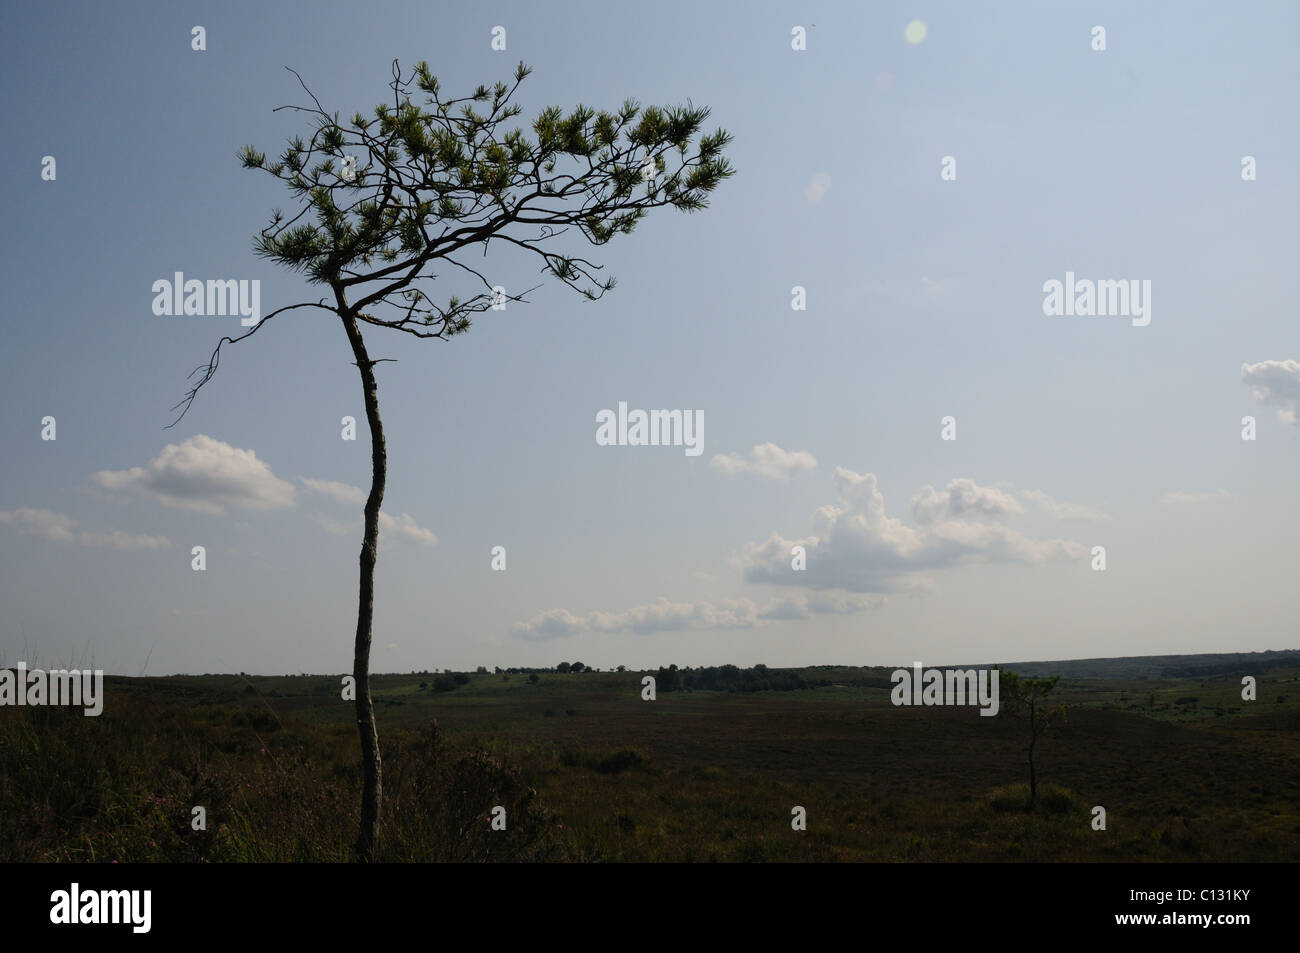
{"x": 211, "y": 367}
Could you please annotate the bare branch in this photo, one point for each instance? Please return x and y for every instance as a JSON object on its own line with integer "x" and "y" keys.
{"x": 211, "y": 367}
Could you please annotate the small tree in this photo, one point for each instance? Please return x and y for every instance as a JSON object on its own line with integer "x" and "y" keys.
{"x": 385, "y": 199}
{"x": 1026, "y": 699}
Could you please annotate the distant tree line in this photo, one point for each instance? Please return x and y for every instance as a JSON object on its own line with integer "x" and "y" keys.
{"x": 732, "y": 678}
{"x": 448, "y": 682}
{"x": 563, "y": 668}
{"x": 711, "y": 678}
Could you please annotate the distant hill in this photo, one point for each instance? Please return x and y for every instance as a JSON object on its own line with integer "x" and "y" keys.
{"x": 212, "y": 688}
{"x": 1161, "y": 666}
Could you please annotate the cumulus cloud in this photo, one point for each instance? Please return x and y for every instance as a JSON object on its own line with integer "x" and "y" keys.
{"x": 58, "y": 528}
{"x": 1191, "y": 497}
{"x": 342, "y": 492}
{"x": 962, "y": 498}
{"x": 664, "y": 615}
{"x": 1276, "y": 382}
{"x": 405, "y": 528}
{"x": 1060, "y": 510}
{"x": 205, "y": 475}
{"x": 855, "y": 546}
{"x": 766, "y": 460}
{"x": 45, "y": 524}
{"x": 805, "y": 605}
{"x": 402, "y": 528}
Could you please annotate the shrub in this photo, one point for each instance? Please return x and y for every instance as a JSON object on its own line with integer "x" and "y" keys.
{"x": 447, "y": 797}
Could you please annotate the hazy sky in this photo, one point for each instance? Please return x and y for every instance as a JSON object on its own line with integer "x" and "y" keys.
{"x": 822, "y": 427}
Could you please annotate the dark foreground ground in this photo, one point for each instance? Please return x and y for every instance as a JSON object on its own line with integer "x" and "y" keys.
{"x": 586, "y": 770}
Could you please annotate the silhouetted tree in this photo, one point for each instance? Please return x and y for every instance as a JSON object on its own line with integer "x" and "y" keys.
{"x": 1026, "y": 698}
{"x": 384, "y": 199}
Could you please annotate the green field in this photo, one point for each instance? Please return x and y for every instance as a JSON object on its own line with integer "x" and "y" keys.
{"x": 588, "y": 771}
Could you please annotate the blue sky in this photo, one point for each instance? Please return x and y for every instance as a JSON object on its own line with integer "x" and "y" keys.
{"x": 924, "y": 300}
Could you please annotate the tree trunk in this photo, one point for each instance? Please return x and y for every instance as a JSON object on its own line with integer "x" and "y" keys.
{"x": 1033, "y": 780}
{"x": 1033, "y": 740}
{"x": 371, "y": 763}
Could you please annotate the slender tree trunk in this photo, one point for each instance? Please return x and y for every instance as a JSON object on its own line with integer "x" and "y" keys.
{"x": 1033, "y": 740}
{"x": 371, "y": 763}
{"x": 1033, "y": 780}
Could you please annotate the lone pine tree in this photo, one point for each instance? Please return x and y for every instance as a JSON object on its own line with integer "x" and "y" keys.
{"x": 1026, "y": 699}
{"x": 383, "y": 199}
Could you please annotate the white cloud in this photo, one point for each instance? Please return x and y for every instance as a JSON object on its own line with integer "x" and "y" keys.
{"x": 342, "y": 492}
{"x": 664, "y": 615}
{"x": 960, "y": 498}
{"x": 551, "y": 624}
{"x": 43, "y": 523}
{"x": 1191, "y": 497}
{"x": 818, "y": 187}
{"x": 402, "y": 528}
{"x": 766, "y": 460}
{"x": 124, "y": 542}
{"x": 1060, "y": 510}
{"x": 335, "y": 528}
{"x": 856, "y": 547}
{"x": 1276, "y": 382}
{"x": 806, "y": 605}
{"x": 205, "y": 475}
{"x": 58, "y": 528}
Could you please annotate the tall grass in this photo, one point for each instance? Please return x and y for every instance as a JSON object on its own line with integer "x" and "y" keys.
{"x": 121, "y": 787}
